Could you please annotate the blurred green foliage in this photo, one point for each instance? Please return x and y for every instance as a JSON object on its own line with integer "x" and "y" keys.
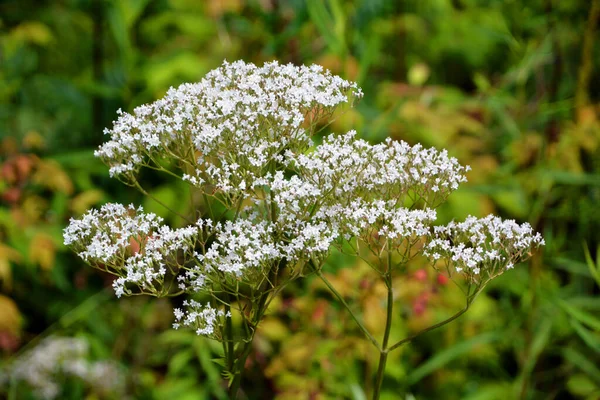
{"x": 509, "y": 87}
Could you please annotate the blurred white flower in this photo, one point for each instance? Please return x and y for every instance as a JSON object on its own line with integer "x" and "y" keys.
{"x": 45, "y": 366}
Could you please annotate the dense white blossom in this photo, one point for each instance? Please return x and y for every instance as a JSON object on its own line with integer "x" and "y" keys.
{"x": 483, "y": 248}
{"x": 206, "y": 320}
{"x": 243, "y": 248}
{"x": 220, "y": 118}
{"x": 379, "y": 217}
{"x": 349, "y": 167}
{"x": 105, "y": 234}
{"x": 306, "y": 240}
{"x": 242, "y": 136}
{"x": 130, "y": 243}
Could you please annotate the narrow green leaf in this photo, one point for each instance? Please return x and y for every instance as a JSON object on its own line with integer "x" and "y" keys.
{"x": 537, "y": 345}
{"x": 357, "y": 392}
{"x": 320, "y": 16}
{"x": 209, "y": 368}
{"x": 592, "y": 340}
{"x": 594, "y": 268}
{"x": 219, "y": 361}
{"x": 180, "y": 361}
{"x": 580, "y": 315}
{"x": 583, "y": 363}
{"x": 176, "y": 337}
{"x": 571, "y": 266}
{"x": 368, "y": 56}
{"x": 574, "y": 178}
{"x": 581, "y": 385}
{"x": 444, "y": 357}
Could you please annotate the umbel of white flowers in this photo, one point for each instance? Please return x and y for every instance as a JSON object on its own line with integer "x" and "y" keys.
{"x": 242, "y": 138}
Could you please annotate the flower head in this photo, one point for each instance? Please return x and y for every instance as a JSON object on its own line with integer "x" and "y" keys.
{"x": 226, "y": 128}
{"x": 130, "y": 243}
{"x": 482, "y": 248}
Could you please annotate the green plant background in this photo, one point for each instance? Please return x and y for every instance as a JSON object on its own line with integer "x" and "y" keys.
{"x": 508, "y": 87}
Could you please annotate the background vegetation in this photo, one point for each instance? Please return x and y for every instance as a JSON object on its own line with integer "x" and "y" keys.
{"x": 510, "y": 87}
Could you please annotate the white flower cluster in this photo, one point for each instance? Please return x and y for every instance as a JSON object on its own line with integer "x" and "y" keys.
{"x": 483, "y": 248}
{"x": 347, "y": 187}
{"x": 206, "y": 320}
{"x": 105, "y": 234}
{"x": 213, "y": 126}
{"x": 379, "y": 220}
{"x": 43, "y": 368}
{"x": 293, "y": 197}
{"x": 241, "y": 249}
{"x": 131, "y": 244}
{"x": 242, "y": 135}
{"x": 309, "y": 240}
{"x": 348, "y": 167}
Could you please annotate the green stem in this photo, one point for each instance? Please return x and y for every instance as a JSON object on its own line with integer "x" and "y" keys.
{"x": 236, "y": 367}
{"x": 229, "y": 351}
{"x": 341, "y": 299}
{"x": 262, "y": 304}
{"x": 247, "y": 348}
{"x": 144, "y": 192}
{"x": 383, "y": 353}
{"x": 207, "y": 202}
{"x": 239, "y": 367}
{"x": 380, "y": 371}
{"x": 470, "y": 300}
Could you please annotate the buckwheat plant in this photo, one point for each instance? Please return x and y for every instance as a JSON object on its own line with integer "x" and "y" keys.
{"x": 270, "y": 205}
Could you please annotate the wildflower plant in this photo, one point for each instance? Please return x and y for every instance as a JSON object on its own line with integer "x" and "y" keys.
{"x": 272, "y": 204}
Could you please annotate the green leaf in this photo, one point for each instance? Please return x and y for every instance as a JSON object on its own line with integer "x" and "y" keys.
{"x": 514, "y": 201}
{"x": 204, "y": 357}
{"x": 590, "y": 303}
{"x": 357, "y": 392}
{"x": 581, "y": 385}
{"x": 594, "y": 268}
{"x": 444, "y": 357}
{"x": 180, "y": 389}
{"x": 492, "y": 391}
{"x": 571, "y": 266}
{"x": 180, "y": 361}
{"x": 574, "y": 178}
{"x": 537, "y": 345}
{"x": 583, "y": 363}
{"x": 219, "y": 361}
{"x": 330, "y": 25}
{"x": 176, "y": 337}
{"x": 580, "y": 315}
{"x": 160, "y": 198}
{"x": 172, "y": 68}
{"x": 368, "y": 56}
{"x": 592, "y": 340}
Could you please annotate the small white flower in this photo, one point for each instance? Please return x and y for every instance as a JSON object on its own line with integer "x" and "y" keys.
{"x": 487, "y": 244}
{"x": 206, "y": 320}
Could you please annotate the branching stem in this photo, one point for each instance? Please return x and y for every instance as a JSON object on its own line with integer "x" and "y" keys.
{"x": 345, "y": 304}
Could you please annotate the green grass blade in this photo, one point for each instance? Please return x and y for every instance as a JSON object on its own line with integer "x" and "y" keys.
{"x": 444, "y": 357}
{"x": 580, "y": 315}
{"x": 593, "y": 341}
